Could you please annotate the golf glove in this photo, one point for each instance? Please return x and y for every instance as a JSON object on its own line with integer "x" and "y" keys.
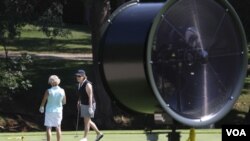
{"x": 41, "y": 109}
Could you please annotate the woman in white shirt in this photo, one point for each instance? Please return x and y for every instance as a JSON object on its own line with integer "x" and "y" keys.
{"x": 56, "y": 98}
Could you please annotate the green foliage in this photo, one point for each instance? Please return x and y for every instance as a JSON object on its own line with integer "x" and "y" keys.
{"x": 12, "y": 75}
{"x": 14, "y": 14}
{"x": 51, "y": 22}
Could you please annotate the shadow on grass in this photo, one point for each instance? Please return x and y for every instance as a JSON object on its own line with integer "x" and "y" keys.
{"x": 73, "y": 27}
{"x": 56, "y": 45}
{"x": 79, "y": 28}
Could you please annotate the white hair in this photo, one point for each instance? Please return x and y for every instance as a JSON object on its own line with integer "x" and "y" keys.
{"x": 54, "y": 78}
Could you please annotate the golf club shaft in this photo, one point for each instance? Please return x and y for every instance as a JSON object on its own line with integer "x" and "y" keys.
{"x": 77, "y": 119}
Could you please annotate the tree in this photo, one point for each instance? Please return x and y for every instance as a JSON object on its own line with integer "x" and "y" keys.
{"x": 87, "y": 10}
{"x": 50, "y": 21}
{"x": 12, "y": 77}
{"x": 14, "y": 14}
{"x": 242, "y": 9}
{"x": 100, "y": 12}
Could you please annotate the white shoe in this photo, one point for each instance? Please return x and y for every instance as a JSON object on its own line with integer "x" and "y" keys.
{"x": 98, "y": 137}
{"x": 83, "y": 139}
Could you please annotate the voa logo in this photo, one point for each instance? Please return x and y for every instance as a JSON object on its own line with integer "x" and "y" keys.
{"x": 236, "y": 132}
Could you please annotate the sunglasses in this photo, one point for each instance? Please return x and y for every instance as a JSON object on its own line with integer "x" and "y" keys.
{"x": 78, "y": 76}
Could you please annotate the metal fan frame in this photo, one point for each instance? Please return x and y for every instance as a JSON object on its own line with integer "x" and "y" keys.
{"x": 208, "y": 119}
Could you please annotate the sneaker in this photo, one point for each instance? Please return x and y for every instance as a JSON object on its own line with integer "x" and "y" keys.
{"x": 83, "y": 139}
{"x": 98, "y": 137}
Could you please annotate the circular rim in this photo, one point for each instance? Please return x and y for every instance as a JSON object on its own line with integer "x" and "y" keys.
{"x": 208, "y": 119}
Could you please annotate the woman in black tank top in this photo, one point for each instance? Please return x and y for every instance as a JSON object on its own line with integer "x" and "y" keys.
{"x": 86, "y": 104}
{"x": 82, "y": 93}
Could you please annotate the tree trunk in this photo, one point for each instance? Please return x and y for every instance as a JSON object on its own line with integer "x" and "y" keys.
{"x": 100, "y": 12}
{"x": 87, "y": 10}
{"x": 6, "y": 52}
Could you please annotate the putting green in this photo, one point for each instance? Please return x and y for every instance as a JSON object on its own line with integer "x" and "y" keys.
{"x": 114, "y": 135}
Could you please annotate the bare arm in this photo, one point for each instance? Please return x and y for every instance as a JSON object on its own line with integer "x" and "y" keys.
{"x": 45, "y": 97}
{"x": 64, "y": 98}
{"x": 90, "y": 93}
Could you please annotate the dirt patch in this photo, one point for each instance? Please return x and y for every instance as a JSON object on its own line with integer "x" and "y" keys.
{"x": 55, "y": 56}
{"x": 17, "y": 123}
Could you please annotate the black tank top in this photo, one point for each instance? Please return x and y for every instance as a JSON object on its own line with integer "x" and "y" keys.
{"x": 82, "y": 93}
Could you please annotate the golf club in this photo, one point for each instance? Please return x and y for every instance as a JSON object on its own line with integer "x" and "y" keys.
{"x": 77, "y": 121}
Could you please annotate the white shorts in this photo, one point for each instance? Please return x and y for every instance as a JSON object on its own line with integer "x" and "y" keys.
{"x": 53, "y": 119}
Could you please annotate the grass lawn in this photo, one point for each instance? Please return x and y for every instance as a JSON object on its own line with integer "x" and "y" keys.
{"x": 121, "y": 135}
{"x": 33, "y": 40}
